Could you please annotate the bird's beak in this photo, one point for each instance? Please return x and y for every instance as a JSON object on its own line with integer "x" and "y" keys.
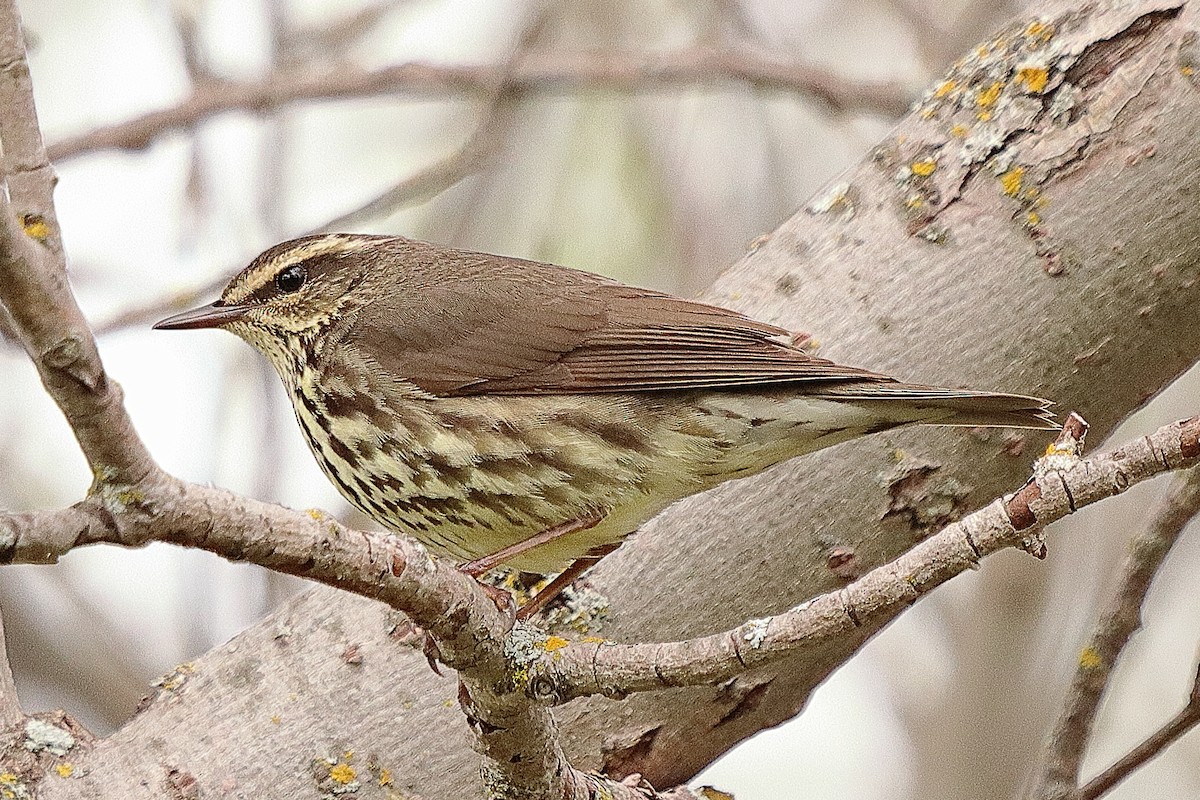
{"x": 209, "y": 316}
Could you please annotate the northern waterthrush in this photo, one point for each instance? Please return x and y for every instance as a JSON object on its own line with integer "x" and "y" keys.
{"x": 478, "y": 402}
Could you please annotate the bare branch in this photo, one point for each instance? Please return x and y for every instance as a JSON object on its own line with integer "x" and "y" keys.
{"x": 441, "y": 175}
{"x": 558, "y": 73}
{"x": 33, "y": 276}
{"x": 26, "y": 169}
{"x": 468, "y": 630}
{"x": 10, "y": 707}
{"x": 1059, "y": 775}
{"x": 410, "y": 190}
{"x": 1183, "y": 722}
{"x": 1062, "y": 484}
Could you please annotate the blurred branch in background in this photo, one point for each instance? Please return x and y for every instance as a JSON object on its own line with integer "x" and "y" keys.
{"x": 483, "y": 141}
{"x": 10, "y": 706}
{"x": 1165, "y": 736}
{"x": 1059, "y": 774}
{"x": 548, "y": 73}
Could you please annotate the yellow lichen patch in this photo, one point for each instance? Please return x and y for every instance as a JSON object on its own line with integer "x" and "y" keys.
{"x": 595, "y": 639}
{"x": 35, "y": 227}
{"x": 1033, "y": 78}
{"x": 1011, "y": 181}
{"x": 342, "y": 773}
{"x": 65, "y": 769}
{"x": 1033, "y": 219}
{"x": 276, "y": 719}
{"x": 959, "y": 131}
{"x": 1038, "y": 33}
{"x": 988, "y": 97}
{"x": 385, "y": 777}
{"x": 1053, "y": 449}
{"x": 1187, "y": 71}
{"x": 315, "y": 513}
{"x": 945, "y": 87}
{"x": 554, "y": 643}
{"x": 11, "y": 787}
{"x": 131, "y": 497}
{"x": 924, "y": 168}
{"x": 913, "y": 202}
{"x": 1089, "y": 658}
{"x": 173, "y": 680}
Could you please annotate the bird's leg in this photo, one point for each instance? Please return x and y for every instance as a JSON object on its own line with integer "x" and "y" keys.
{"x": 481, "y": 565}
{"x": 563, "y": 580}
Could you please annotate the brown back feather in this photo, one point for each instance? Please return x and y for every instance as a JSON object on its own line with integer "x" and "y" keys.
{"x": 472, "y": 324}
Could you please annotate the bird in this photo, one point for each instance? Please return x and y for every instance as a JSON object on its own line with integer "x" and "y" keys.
{"x": 507, "y": 411}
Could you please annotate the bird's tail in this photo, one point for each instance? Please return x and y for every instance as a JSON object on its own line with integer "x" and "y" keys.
{"x": 952, "y": 406}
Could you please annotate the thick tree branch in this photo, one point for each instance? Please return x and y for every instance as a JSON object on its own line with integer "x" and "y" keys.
{"x": 558, "y": 73}
{"x": 10, "y": 707}
{"x": 970, "y": 275}
{"x": 1060, "y": 772}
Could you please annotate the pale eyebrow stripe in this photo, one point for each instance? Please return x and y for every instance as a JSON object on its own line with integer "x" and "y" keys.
{"x": 256, "y": 279}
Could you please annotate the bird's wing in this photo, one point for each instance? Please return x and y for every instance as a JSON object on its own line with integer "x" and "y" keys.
{"x": 506, "y": 326}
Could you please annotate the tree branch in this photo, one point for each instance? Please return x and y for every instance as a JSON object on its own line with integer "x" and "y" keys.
{"x": 33, "y": 275}
{"x": 1183, "y": 722}
{"x": 1060, "y": 768}
{"x": 515, "y": 733}
{"x": 546, "y": 73}
{"x": 10, "y": 707}
{"x": 1062, "y": 485}
{"x": 469, "y": 156}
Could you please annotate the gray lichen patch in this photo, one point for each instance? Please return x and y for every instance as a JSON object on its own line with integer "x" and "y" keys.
{"x": 754, "y": 632}
{"x": 42, "y": 736}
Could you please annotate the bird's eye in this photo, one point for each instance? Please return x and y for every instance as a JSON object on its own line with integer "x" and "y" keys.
{"x": 290, "y": 279}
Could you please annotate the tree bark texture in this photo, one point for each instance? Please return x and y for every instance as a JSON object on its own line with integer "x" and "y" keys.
{"x": 1030, "y": 227}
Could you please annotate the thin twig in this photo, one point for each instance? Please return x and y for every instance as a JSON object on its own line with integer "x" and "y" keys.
{"x": 1062, "y": 483}
{"x": 1121, "y": 618}
{"x": 553, "y": 73}
{"x": 10, "y": 707}
{"x": 441, "y": 175}
{"x": 335, "y": 39}
{"x": 1183, "y": 722}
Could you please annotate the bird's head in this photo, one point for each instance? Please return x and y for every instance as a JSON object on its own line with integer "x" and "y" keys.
{"x": 288, "y": 294}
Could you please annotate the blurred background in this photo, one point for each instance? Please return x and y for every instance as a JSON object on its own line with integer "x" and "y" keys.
{"x": 651, "y": 140}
